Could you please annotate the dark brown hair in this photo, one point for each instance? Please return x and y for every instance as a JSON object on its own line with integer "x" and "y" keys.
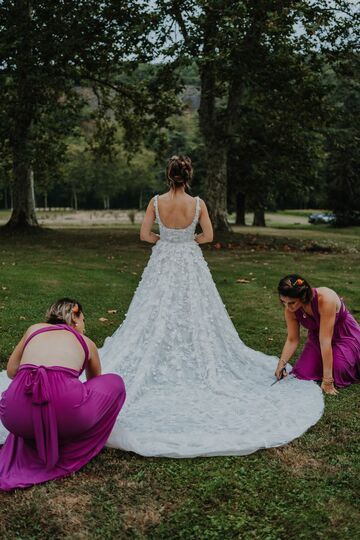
{"x": 63, "y": 311}
{"x": 179, "y": 171}
{"x": 295, "y": 286}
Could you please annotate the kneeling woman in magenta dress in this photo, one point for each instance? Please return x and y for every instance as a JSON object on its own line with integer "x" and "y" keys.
{"x": 56, "y": 423}
{"x": 332, "y": 351}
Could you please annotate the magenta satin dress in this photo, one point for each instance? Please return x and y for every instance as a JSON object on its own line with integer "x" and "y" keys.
{"x": 56, "y": 423}
{"x": 345, "y": 345}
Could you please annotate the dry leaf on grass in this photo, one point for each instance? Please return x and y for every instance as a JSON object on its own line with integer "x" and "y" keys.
{"x": 112, "y": 311}
{"x": 242, "y": 280}
{"x": 103, "y": 319}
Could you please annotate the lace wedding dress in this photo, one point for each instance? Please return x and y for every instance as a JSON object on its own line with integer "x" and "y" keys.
{"x": 193, "y": 387}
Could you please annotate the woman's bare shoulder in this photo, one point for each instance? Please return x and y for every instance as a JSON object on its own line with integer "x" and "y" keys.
{"x": 90, "y": 343}
{"x": 327, "y": 297}
{"x": 35, "y": 327}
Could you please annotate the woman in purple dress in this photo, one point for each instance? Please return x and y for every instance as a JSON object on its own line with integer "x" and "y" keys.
{"x": 56, "y": 423}
{"x": 332, "y": 351}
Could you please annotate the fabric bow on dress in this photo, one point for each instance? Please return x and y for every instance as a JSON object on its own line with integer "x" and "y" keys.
{"x": 44, "y": 417}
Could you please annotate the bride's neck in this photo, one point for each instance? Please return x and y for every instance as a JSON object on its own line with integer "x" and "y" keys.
{"x": 177, "y": 191}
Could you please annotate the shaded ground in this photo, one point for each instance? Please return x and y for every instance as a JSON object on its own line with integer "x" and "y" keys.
{"x": 305, "y": 490}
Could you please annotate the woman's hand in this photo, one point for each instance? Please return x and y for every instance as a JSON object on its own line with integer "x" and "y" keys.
{"x": 327, "y": 386}
{"x": 280, "y": 370}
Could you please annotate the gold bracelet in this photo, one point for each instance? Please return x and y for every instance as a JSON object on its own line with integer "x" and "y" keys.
{"x": 328, "y": 380}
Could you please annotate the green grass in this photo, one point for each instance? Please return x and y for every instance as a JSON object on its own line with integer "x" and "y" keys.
{"x": 305, "y": 490}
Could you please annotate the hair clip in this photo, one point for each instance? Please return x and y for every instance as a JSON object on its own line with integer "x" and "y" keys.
{"x": 75, "y": 309}
{"x": 298, "y": 282}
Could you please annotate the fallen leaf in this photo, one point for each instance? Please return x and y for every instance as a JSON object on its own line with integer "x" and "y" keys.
{"x": 103, "y": 319}
{"x": 241, "y": 280}
{"x": 22, "y": 318}
{"x": 112, "y": 311}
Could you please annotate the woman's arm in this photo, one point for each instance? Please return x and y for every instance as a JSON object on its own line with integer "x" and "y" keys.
{"x": 15, "y": 359}
{"x": 291, "y": 343}
{"x": 146, "y": 233}
{"x": 207, "y": 233}
{"x": 93, "y": 367}
{"x": 327, "y": 311}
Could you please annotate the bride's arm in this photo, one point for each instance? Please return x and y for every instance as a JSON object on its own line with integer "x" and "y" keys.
{"x": 207, "y": 233}
{"x": 146, "y": 233}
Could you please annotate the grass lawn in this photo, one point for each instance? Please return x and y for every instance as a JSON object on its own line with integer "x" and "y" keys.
{"x": 308, "y": 489}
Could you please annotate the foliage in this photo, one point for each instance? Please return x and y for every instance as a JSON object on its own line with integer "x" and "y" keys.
{"x": 48, "y": 50}
{"x": 262, "y": 89}
{"x": 343, "y": 144}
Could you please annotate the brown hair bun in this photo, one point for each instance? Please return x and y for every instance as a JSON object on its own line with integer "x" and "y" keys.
{"x": 295, "y": 286}
{"x": 179, "y": 171}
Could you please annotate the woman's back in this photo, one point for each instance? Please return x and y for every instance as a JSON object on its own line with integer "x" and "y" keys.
{"x": 53, "y": 346}
{"x": 176, "y": 210}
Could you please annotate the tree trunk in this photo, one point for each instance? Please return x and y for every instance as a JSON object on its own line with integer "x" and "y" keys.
{"x": 6, "y": 206}
{"x": 45, "y": 200}
{"x": 259, "y": 217}
{"x": 212, "y": 129}
{"x": 240, "y": 208}
{"x": 216, "y": 189}
{"x": 23, "y": 214}
{"x": 75, "y": 199}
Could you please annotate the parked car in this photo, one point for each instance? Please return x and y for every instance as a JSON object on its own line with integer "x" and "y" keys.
{"x": 323, "y": 217}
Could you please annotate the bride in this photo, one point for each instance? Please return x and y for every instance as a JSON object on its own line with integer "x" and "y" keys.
{"x": 193, "y": 387}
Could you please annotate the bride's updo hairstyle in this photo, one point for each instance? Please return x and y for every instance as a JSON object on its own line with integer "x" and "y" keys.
{"x": 63, "y": 311}
{"x": 295, "y": 286}
{"x": 179, "y": 172}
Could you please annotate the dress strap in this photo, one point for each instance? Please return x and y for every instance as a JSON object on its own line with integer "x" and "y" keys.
{"x": 197, "y": 210}
{"x": 77, "y": 334}
{"x": 156, "y": 206}
{"x": 315, "y": 305}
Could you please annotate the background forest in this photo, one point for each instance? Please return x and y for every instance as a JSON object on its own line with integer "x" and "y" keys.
{"x": 264, "y": 97}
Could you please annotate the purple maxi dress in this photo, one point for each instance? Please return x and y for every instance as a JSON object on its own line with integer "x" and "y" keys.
{"x": 57, "y": 423}
{"x": 345, "y": 346}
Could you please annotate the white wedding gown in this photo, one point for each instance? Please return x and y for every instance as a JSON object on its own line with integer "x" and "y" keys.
{"x": 193, "y": 387}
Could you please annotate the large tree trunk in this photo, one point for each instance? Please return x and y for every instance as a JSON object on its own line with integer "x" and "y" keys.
{"x": 212, "y": 130}
{"x": 216, "y": 191}
{"x": 240, "y": 208}
{"x": 23, "y": 214}
{"x": 259, "y": 217}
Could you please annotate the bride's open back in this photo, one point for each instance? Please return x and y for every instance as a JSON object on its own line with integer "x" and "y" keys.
{"x": 176, "y": 209}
